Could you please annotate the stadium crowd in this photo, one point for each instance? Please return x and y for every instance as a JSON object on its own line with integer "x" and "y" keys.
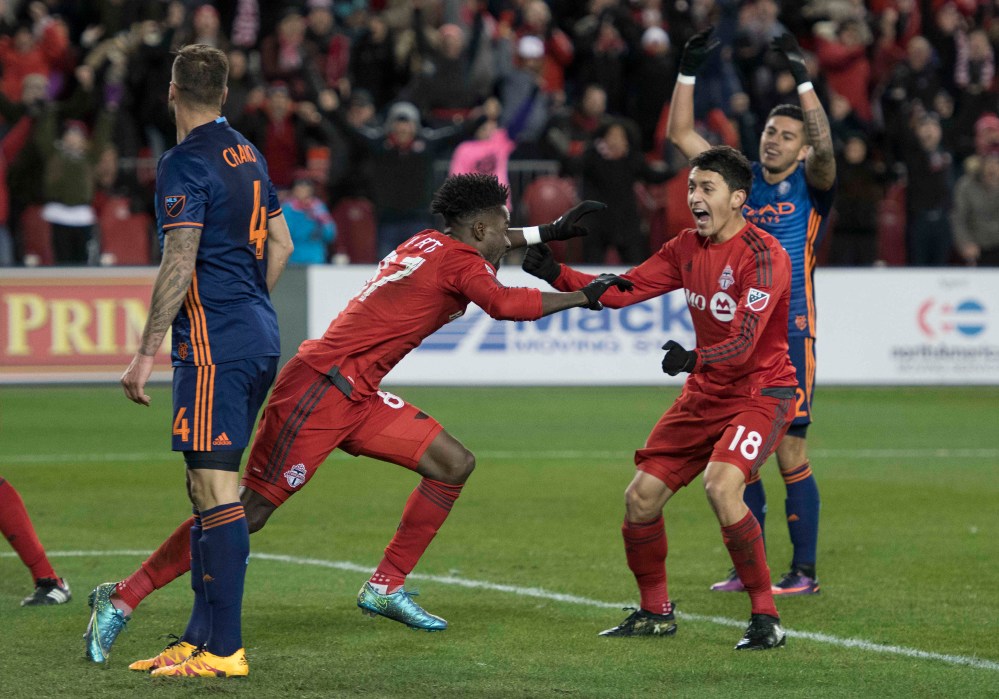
{"x": 366, "y": 105}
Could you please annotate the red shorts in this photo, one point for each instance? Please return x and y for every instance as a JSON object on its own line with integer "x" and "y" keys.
{"x": 307, "y": 417}
{"x": 700, "y": 427}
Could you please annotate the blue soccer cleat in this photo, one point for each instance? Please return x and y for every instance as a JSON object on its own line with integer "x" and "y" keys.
{"x": 106, "y": 623}
{"x": 398, "y": 606}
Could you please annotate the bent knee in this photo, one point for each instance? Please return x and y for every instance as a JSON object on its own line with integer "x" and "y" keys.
{"x": 458, "y": 470}
{"x": 640, "y": 506}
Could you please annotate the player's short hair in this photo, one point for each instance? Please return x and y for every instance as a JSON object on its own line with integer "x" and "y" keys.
{"x": 200, "y": 73}
{"x": 462, "y": 196}
{"x": 732, "y": 165}
{"x": 792, "y": 111}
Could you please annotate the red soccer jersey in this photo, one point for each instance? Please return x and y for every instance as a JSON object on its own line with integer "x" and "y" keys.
{"x": 426, "y": 282}
{"x": 738, "y": 294}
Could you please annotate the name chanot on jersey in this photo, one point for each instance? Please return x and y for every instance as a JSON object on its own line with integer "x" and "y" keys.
{"x": 237, "y": 155}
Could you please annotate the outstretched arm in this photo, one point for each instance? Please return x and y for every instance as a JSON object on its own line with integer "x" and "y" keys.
{"x": 820, "y": 163}
{"x": 680, "y": 125}
{"x": 568, "y": 225}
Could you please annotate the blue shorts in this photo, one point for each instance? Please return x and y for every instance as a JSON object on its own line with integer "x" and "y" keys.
{"x": 801, "y": 350}
{"x": 215, "y": 406}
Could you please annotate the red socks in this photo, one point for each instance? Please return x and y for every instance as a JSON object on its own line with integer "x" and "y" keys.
{"x": 645, "y": 548}
{"x": 18, "y": 530}
{"x": 171, "y": 560}
{"x": 744, "y": 542}
{"x": 425, "y": 512}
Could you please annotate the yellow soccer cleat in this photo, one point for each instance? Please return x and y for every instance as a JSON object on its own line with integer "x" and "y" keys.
{"x": 174, "y": 654}
{"x": 201, "y": 663}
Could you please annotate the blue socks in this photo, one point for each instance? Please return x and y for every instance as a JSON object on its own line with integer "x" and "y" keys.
{"x": 223, "y": 542}
{"x": 802, "y": 507}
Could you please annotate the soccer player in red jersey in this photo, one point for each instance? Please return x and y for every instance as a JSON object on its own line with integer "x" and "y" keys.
{"x": 794, "y": 182}
{"x": 328, "y": 396}
{"x": 16, "y": 527}
{"x": 735, "y": 406}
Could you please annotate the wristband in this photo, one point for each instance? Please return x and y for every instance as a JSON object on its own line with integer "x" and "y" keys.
{"x": 686, "y": 79}
{"x": 532, "y": 235}
{"x": 805, "y": 87}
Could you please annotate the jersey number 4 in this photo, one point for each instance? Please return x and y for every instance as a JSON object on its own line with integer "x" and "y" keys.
{"x": 258, "y": 222}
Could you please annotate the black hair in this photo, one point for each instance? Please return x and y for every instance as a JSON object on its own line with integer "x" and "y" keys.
{"x": 787, "y": 110}
{"x": 732, "y": 165}
{"x": 464, "y": 195}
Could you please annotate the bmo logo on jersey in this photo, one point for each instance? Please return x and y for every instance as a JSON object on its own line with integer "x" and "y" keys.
{"x": 723, "y": 307}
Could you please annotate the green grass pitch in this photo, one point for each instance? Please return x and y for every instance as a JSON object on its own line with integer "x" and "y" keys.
{"x": 530, "y": 566}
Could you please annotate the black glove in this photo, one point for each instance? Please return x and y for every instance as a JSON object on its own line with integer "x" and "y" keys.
{"x": 595, "y": 289}
{"x": 567, "y": 225}
{"x": 540, "y": 262}
{"x": 696, "y": 51}
{"x": 678, "y": 359}
{"x": 788, "y": 45}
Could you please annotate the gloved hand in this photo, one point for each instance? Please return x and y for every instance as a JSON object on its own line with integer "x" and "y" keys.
{"x": 567, "y": 225}
{"x": 678, "y": 359}
{"x": 595, "y": 289}
{"x": 696, "y": 51}
{"x": 540, "y": 262}
{"x": 788, "y": 45}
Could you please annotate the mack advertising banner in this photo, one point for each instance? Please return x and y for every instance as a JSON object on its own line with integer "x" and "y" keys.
{"x": 875, "y": 327}
{"x": 73, "y": 324}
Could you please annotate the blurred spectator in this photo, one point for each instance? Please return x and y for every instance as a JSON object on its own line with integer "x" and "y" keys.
{"x": 10, "y": 145}
{"x": 930, "y": 171}
{"x": 23, "y": 54}
{"x": 842, "y": 121}
{"x": 650, "y": 77}
{"x": 945, "y": 33}
{"x": 150, "y": 64}
{"x": 378, "y": 62}
{"x": 402, "y": 156}
{"x": 975, "y": 217}
{"x": 205, "y": 28}
{"x": 309, "y": 221}
{"x": 349, "y": 157}
{"x": 915, "y": 82}
{"x": 536, "y": 20}
{"x": 603, "y": 40}
{"x": 245, "y": 89}
{"x": 862, "y": 183}
{"x": 282, "y": 131}
{"x": 843, "y": 59}
{"x": 285, "y": 56}
{"x": 986, "y": 134}
{"x": 745, "y": 124}
{"x": 455, "y": 74}
{"x": 609, "y": 169}
{"x": 523, "y": 96}
{"x": 331, "y": 46}
{"x": 570, "y": 130}
{"x": 489, "y": 151}
{"x": 70, "y": 184}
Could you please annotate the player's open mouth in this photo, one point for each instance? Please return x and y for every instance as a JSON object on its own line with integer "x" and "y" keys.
{"x": 701, "y": 216}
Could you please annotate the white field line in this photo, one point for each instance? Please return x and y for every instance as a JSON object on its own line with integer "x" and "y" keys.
{"x": 548, "y": 455}
{"x": 541, "y": 593}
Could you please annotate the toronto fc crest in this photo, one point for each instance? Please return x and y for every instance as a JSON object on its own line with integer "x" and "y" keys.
{"x": 295, "y": 475}
{"x": 726, "y": 279}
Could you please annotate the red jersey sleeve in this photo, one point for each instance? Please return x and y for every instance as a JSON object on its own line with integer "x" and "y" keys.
{"x": 468, "y": 274}
{"x": 764, "y": 278}
{"x": 658, "y": 275}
